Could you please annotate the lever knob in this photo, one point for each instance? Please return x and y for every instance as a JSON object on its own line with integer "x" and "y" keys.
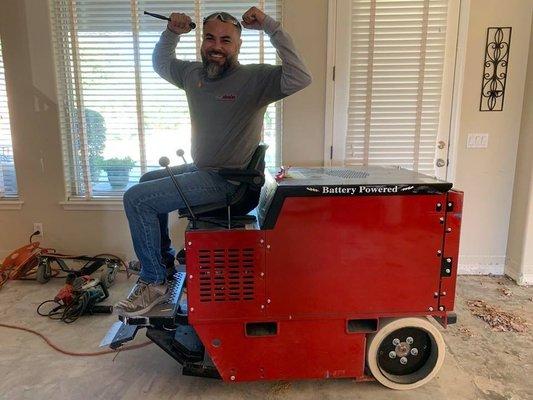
{"x": 180, "y": 153}
{"x": 164, "y": 162}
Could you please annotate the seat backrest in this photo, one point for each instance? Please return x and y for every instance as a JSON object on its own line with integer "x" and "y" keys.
{"x": 257, "y": 163}
{"x": 246, "y": 197}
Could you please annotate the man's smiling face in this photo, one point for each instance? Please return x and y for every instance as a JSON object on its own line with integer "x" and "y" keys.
{"x": 220, "y": 47}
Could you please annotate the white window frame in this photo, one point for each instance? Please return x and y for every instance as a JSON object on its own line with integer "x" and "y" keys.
{"x": 88, "y": 201}
{"x": 337, "y": 84}
{"x": 11, "y": 202}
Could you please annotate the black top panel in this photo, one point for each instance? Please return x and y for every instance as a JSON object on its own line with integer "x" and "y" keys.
{"x": 372, "y": 175}
{"x": 342, "y": 181}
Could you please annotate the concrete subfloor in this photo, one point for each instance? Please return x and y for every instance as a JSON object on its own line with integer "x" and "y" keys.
{"x": 479, "y": 364}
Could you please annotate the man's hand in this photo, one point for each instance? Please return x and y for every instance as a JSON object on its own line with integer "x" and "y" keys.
{"x": 253, "y": 19}
{"x": 179, "y": 23}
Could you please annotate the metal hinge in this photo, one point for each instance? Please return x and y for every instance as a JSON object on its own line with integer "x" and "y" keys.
{"x": 331, "y": 152}
{"x": 334, "y": 73}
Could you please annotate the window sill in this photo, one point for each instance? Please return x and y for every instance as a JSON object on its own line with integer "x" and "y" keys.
{"x": 92, "y": 205}
{"x": 11, "y": 204}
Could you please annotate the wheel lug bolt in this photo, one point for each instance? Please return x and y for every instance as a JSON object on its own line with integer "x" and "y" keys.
{"x": 403, "y": 360}
{"x": 409, "y": 340}
{"x": 414, "y": 351}
{"x": 392, "y": 354}
{"x": 396, "y": 342}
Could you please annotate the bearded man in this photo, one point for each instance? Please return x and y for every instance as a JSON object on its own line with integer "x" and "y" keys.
{"x": 227, "y": 103}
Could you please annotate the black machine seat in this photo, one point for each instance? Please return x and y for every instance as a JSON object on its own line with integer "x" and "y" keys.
{"x": 246, "y": 198}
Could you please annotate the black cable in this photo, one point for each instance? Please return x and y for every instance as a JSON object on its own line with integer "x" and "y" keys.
{"x": 58, "y": 310}
{"x": 77, "y": 308}
{"x": 68, "y": 313}
{"x": 74, "y": 310}
{"x": 112, "y": 257}
{"x": 58, "y": 263}
{"x": 34, "y": 234}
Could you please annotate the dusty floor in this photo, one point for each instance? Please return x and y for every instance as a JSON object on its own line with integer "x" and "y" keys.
{"x": 480, "y": 363}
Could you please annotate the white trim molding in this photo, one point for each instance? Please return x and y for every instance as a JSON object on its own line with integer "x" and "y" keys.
{"x": 92, "y": 205}
{"x": 458, "y": 83}
{"x": 481, "y": 265}
{"x": 330, "y": 82}
{"x": 514, "y": 270}
{"x": 11, "y": 205}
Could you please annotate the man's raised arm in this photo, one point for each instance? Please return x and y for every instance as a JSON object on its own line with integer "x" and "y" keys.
{"x": 294, "y": 76}
{"x": 164, "y": 60}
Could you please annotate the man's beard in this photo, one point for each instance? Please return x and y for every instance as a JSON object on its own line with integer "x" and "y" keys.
{"x": 214, "y": 70}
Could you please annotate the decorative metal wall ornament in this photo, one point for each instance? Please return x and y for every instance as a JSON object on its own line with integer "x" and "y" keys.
{"x": 495, "y": 68}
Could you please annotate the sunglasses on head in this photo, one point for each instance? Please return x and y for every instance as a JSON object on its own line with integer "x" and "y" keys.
{"x": 224, "y": 17}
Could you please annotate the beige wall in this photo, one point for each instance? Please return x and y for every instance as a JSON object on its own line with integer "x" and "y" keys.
{"x": 486, "y": 176}
{"x": 303, "y": 121}
{"x": 25, "y": 32}
{"x": 520, "y": 244}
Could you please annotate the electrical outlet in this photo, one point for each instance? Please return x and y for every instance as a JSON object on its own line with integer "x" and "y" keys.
{"x": 477, "y": 141}
{"x": 38, "y": 226}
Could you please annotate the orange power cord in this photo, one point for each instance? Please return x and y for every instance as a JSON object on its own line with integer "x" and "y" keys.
{"x": 71, "y": 353}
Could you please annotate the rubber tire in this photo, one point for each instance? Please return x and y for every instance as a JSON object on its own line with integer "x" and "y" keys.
{"x": 386, "y": 328}
{"x": 44, "y": 272}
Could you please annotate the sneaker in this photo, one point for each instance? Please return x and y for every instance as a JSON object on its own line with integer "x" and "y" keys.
{"x": 142, "y": 298}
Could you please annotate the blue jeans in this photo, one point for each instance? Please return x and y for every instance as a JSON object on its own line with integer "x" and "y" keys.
{"x": 148, "y": 203}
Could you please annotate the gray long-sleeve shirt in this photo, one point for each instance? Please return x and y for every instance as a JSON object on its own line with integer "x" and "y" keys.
{"x": 227, "y": 113}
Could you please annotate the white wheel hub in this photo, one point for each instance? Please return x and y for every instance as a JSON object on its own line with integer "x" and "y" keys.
{"x": 405, "y": 353}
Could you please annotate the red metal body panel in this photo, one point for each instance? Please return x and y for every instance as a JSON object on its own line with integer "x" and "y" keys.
{"x": 301, "y": 349}
{"x": 328, "y": 260}
{"x": 225, "y": 275}
{"x": 451, "y": 249}
{"x": 347, "y": 256}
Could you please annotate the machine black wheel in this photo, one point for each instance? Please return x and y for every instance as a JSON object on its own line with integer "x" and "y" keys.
{"x": 405, "y": 353}
{"x": 44, "y": 271}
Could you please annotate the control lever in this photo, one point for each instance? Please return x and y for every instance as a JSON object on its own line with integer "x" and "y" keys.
{"x": 180, "y": 153}
{"x": 192, "y": 25}
{"x": 164, "y": 162}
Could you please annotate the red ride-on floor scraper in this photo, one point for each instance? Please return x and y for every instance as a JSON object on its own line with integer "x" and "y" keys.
{"x": 328, "y": 273}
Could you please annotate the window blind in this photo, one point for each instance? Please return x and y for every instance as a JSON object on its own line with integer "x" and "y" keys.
{"x": 396, "y": 67}
{"x": 132, "y": 116}
{"x": 8, "y": 179}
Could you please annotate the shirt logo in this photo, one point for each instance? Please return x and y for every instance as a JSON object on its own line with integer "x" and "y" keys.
{"x": 227, "y": 97}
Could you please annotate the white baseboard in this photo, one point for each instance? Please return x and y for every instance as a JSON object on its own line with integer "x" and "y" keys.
{"x": 514, "y": 270}
{"x": 526, "y": 280}
{"x": 481, "y": 265}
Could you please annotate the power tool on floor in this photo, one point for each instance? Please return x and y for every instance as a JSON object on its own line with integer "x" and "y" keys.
{"x": 79, "y": 296}
{"x": 33, "y": 261}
